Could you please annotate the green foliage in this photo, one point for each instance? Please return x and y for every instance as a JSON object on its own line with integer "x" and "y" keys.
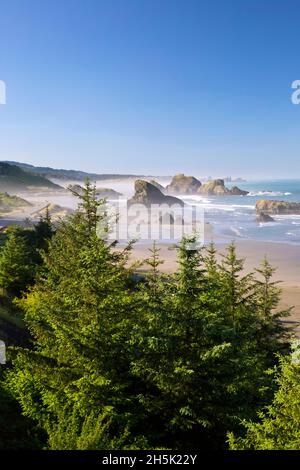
{"x": 278, "y": 425}
{"x": 16, "y": 431}
{"x": 273, "y": 335}
{"x": 175, "y": 361}
{"x": 198, "y": 339}
{"x": 20, "y": 255}
{"x": 80, "y": 315}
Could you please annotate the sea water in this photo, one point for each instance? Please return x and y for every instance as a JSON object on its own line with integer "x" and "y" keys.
{"x": 234, "y": 217}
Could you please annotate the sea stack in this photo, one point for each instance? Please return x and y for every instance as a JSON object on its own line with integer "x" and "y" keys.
{"x": 182, "y": 184}
{"x": 277, "y": 207}
{"x": 217, "y": 188}
{"x": 147, "y": 194}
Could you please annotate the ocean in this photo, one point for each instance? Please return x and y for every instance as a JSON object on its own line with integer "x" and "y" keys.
{"x": 234, "y": 217}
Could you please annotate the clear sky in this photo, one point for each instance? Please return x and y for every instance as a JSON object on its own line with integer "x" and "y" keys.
{"x": 152, "y": 86}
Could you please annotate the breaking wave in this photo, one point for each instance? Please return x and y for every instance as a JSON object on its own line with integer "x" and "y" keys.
{"x": 268, "y": 193}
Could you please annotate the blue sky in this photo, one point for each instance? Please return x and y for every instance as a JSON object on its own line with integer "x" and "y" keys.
{"x": 152, "y": 86}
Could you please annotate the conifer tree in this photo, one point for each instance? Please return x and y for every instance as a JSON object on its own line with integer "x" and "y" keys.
{"x": 154, "y": 276}
{"x": 174, "y": 361}
{"x": 16, "y": 431}
{"x": 80, "y": 316}
{"x": 277, "y": 426}
{"x": 237, "y": 289}
{"x": 191, "y": 360}
{"x": 210, "y": 258}
{"x": 20, "y": 256}
{"x": 273, "y": 335}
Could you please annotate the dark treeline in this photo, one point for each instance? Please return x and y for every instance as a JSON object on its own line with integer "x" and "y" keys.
{"x": 195, "y": 359}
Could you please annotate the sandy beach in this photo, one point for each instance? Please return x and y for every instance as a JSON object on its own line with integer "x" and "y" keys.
{"x": 286, "y": 258}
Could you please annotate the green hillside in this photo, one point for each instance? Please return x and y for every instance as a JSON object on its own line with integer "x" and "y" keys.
{"x": 14, "y": 178}
{"x": 69, "y": 174}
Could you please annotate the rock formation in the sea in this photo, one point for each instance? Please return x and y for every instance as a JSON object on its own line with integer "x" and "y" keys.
{"x": 55, "y": 211}
{"x": 262, "y": 217}
{"x": 147, "y": 194}
{"x": 277, "y": 207}
{"x": 213, "y": 187}
{"x": 182, "y": 184}
{"x": 157, "y": 185}
{"x": 217, "y": 188}
{"x": 235, "y": 191}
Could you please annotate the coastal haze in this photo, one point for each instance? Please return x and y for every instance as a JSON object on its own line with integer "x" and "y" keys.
{"x": 232, "y": 217}
{"x": 149, "y": 230}
{"x": 226, "y": 218}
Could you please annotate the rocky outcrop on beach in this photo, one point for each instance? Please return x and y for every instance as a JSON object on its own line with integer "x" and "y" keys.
{"x": 182, "y": 184}
{"x": 268, "y": 206}
{"x": 217, "y": 188}
{"x": 262, "y": 217}
{"x": 147, "y": 194}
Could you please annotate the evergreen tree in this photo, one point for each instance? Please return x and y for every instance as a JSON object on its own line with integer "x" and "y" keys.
{"x": 278, "y": 425}
{"x": 20, "y": 257}
{"x": 16, "y": 431}
{"x": 174, "y": 361}
{"x": 237, "y": 289}
{"x": 154, "y": 276}
{"x": 79, "y": 313}
{"x": 17, "y": 263}
{"x": 210, "y": 258}
{"x": 273, "y": 335}
{"x": 191, "y": 365}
